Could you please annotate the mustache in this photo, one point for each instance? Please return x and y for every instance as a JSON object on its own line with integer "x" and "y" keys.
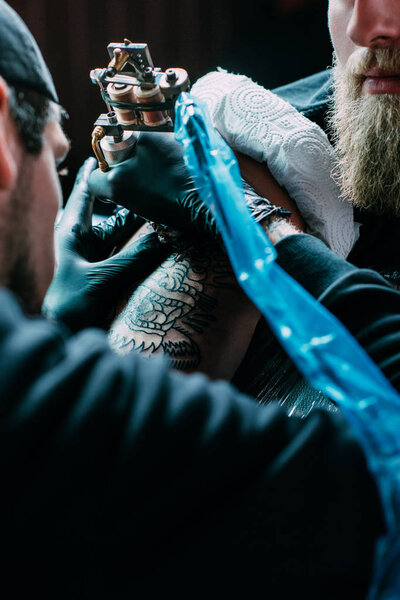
{"x": 364, "y": 59}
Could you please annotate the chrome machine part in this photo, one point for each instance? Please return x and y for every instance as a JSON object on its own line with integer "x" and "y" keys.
{"x": 116, "y": 151}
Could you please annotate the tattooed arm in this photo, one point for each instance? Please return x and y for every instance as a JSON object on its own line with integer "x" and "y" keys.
{"x": 193, "y": 312}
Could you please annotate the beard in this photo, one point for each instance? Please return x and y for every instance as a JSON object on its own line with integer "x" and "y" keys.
{"x": 366, "y": 134}
{"x": 20, "y": 274}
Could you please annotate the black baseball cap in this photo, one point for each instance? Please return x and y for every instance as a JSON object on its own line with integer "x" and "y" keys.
{"x": 21, "y": 62}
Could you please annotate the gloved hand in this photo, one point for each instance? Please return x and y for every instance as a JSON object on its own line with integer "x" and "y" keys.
{"x": 88, "y": 283}
{"x": 155, "y": 184}
{"x": 260, "y": 124}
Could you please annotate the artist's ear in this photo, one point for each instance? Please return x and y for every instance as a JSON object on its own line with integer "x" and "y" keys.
{"x": 8, "y": 165}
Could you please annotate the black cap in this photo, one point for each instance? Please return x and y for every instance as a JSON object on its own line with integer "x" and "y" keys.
{"x": 21, "y": 61}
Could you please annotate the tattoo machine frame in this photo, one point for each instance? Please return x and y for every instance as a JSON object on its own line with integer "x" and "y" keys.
{"x": 325, "y": 352}
{"x": 138, "y": 96}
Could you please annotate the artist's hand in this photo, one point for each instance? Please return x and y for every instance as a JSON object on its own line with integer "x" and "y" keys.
{"x": 88, "y": 282}
{"x": 155, "y": 184}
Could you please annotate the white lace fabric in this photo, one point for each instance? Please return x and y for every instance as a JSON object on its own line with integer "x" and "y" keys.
{"x": 260, "y": 124}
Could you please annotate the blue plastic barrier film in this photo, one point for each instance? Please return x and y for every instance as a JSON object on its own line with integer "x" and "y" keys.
{"x": 325, "y": 352}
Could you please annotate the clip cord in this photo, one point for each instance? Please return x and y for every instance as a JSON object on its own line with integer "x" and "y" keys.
{"x": 325, "y": 352}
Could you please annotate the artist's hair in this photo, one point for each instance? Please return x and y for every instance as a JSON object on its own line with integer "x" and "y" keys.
{"x": 30, "y": 112}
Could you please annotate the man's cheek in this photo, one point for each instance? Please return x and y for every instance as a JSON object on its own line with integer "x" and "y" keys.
{"x": 339, "y": 18}
{"x": 48, "y": 187}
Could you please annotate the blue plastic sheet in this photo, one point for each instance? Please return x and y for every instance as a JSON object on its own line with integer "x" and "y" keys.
{"x": 325, "y": 352}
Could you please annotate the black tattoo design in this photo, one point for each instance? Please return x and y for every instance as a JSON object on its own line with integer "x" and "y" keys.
{"x": 170, "y": 307}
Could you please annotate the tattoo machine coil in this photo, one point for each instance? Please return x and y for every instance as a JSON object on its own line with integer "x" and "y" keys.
{"x": 138, "y": 96}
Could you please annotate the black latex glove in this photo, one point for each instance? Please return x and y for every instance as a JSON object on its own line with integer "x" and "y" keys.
{"x": 88, "y": 282}
{"x": 155, "y": 184}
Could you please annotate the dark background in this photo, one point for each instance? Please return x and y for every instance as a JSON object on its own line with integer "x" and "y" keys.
{"x": 274, "y": 42}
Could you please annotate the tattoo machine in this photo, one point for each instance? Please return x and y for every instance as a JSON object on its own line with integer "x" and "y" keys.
{"x": 138, "y": 96}
{"x": 325, "y": 352}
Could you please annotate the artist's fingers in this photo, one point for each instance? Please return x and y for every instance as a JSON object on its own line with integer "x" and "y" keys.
{"x": 118, "y": 228}
{"x": 101, "y": 184}
{"x": 134, "y": 262}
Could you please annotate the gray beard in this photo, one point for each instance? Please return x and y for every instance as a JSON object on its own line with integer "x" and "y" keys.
{"x": 366, "y": 131}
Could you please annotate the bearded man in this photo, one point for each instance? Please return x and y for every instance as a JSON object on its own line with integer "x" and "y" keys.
{"x": 358, "y": 103}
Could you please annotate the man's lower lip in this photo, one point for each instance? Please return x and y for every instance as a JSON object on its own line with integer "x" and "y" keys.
{"x": 382, "y": 85}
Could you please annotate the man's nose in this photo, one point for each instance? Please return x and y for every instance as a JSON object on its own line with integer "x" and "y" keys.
{"x": 375, "y": 23}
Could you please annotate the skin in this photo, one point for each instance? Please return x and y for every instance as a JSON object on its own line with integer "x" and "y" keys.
{"x": 371, "y": 24}
{"x": 192, "y": 311}
{"x": 262, "y": 182}
{"x": 30, "y": 238}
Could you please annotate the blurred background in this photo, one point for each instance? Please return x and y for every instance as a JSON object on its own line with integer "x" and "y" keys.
{"x": 273, "y": 42}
